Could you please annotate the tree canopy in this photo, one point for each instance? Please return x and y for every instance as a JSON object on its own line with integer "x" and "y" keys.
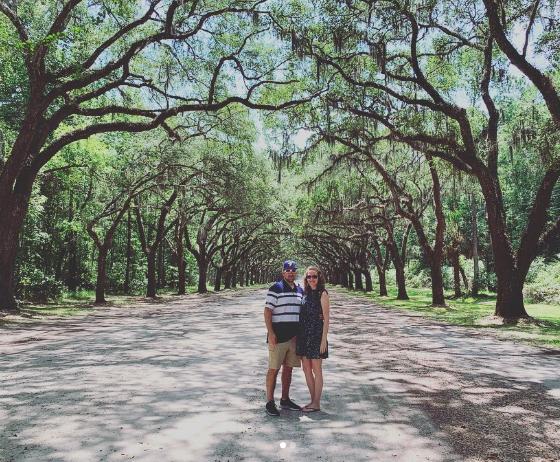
{"x": 153, "y": 145}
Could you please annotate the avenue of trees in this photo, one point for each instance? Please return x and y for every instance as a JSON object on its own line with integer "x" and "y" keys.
{"x": 149, "y": 145}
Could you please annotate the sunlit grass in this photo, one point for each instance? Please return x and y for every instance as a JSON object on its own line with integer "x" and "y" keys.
{"x": 475, "y": 312}
{"x": 82, "y": 302}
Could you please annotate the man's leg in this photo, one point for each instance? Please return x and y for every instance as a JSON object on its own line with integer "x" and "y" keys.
{"x": 271, "y": 383}
{"x": 286, "y": 381}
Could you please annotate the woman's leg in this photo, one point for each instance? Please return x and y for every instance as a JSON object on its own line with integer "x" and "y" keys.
{"x": 308, "y": 371}
{"x": 317, "y": 368}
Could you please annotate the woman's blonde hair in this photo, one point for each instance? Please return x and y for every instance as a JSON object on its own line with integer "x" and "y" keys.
{"x": 320, "y": 279}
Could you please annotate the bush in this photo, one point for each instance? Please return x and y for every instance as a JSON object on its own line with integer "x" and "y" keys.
{"x": 38, "y": 287}
{"x": 417, "y": 275}
{"x": 543, "y": 284}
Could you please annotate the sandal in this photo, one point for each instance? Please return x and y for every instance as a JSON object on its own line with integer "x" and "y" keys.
{"x": 310, "y": 409}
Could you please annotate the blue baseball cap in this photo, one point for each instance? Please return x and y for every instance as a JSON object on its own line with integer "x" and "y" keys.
{"x": 289, "y": 265}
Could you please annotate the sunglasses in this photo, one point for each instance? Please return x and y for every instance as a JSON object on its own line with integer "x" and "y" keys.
{"x": 290, "y": 270}
{"x": 311, "y": 276}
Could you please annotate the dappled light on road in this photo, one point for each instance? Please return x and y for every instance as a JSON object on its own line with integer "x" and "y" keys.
{"x": 184, "y": 380}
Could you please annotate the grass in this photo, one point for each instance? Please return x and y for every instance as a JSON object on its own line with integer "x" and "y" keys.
{"x": 476, "y": 312}
{"x": 82, "y": 302}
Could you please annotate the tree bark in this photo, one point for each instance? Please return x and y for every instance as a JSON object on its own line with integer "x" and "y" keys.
{"x": 151, "y": 288}
{"x": 382, "y": 282}
{"x": 436, "y": 253}
{"x": 369, "y": 283}
{"x": 161, "y": 282}
{"x": 398, "y": 262}
{"x": 72, "y": 274}
{"x": 401, "y": 282}
{"x": 181, "y": 267}
{"x": 202, "y": 276}
{"x": 218, "y": 279}
{"x": 438, "y": 298}
{"x": 101, "y": 275}
{"x": 13, "y": 208}
{"x": 350, "y": 280}
{"x": 474, "y": 232}
{"x": 509, "y": 300}
{"x": 126, "y": 285}
{"x": 180, "y": 251}
{"x": 358, "y": 280}
{"x": 228, "y": 279}
{"x": 509, "y": 303}
{"x": 456, "y": 274}
{"x": 464, "y": 276}
{"x": 344, "y": 279}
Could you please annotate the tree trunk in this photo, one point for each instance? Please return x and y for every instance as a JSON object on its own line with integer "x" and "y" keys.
{"x": 474, "y": 232}
{"x": 12, "y": 212}
{"x": 218, "y": 279}
{"x": 71, "y": 250}
{"x": 72, "y": 280}
{"x": 126, "y": 285}
{"x": 456, "y": 274}
{"x": 382, "y": 282}
{"x": 181, "y": 267}
{"x": 436, "y": 255}
{"x": 398, "y": 263}
{"x": 369, "y": 283}
{"x": 438, "y": 298}
{"x": 401, "y": 283}
{"x": 181, "y": 264}
{"x": 151, "y": 290}
{"x": 161, "y": 281}
{"x": 509, "y": 302}
{"x": 101, "y": 275}
{"x": 358, "y": 279}
{"x": 227, "y": 279}
{"x": 350, "y": 280}
{"x": 464, "y": 276}
{"x": 344, "y": 279}
{"x": 202, "y": 276}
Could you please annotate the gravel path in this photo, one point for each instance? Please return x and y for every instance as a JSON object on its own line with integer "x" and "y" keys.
{"x": 184, "y": 381}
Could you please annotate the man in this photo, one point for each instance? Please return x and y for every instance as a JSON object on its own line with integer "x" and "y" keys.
{"x": 281, "y": 316}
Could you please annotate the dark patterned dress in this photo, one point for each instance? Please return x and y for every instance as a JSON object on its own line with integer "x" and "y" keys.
{"x": 311, "y": 327}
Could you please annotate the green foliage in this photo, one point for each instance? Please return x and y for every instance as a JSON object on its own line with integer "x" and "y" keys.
{"x": 322, "y": 187}
{"x": 34, "y": 285}
{"x": 543, "y": 285}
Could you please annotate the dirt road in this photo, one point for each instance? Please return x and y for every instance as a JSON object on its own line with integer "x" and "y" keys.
{"x": 183, "y": 380}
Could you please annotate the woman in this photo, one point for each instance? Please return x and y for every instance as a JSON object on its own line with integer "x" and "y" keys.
{"x": 312, "y": 343}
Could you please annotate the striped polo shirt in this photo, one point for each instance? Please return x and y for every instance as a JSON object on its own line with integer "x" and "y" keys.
{"x": 285, "y": 303}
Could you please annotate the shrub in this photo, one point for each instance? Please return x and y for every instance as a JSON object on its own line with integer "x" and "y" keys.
{"x": 38, "y": 287}
{"x": 543, "y": 284}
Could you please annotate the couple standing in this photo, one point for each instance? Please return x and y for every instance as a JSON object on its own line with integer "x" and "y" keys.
{"x": 297, "y": 321}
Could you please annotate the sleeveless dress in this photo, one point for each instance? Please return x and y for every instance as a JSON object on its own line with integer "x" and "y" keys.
{"x": 311, "y": 327}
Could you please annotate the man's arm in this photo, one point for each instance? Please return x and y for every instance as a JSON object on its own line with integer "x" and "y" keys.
{"x": 271, "y": 335}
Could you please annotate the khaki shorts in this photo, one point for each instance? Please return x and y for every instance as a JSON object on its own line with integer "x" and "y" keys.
{"x": 283, "y": 353}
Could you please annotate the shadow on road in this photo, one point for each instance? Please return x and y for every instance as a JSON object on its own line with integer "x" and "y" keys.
{"x": 184, "y": 381}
